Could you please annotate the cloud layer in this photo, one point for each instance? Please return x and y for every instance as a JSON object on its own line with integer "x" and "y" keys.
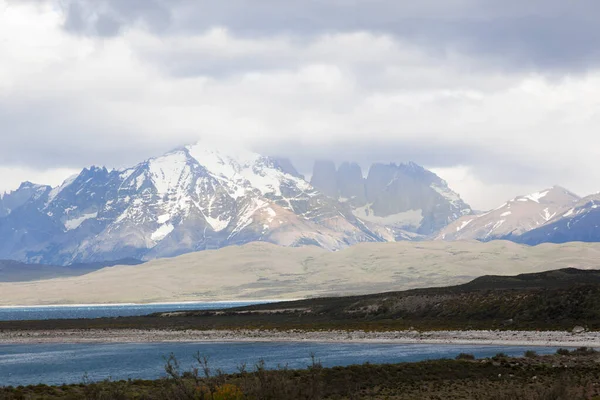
{"x": 498, "y": 100}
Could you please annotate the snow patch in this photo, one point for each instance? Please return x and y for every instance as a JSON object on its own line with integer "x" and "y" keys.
{"x": 463, "y": 225}
{"x": 217, "y": 224}
{"x": 446, "y": 193}
{"x": 76, "y": 222}
{"x": 406, "y": 218}
{"x": 125, "y": 174}
{"x": 139, "y": 181}
{"x": 163, "y": 218}
{"x": 537, "y": 196}
{"x": 56, "y": 191}
{"x": 506, "y": 214}
{"x": 162, "y": 232}
{"x": 547, "y": 216}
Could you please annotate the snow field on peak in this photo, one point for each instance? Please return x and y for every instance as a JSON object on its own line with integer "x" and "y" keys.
{"x": 537, "y": 196}
{"x": 248, "y": 170}
{"x": 170, "y": 172}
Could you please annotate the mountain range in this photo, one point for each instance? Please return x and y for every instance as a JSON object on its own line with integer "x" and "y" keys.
{"x": 200, "y": 197}
{"x": 553, "y": 215}
{"x": 203, "y": 197}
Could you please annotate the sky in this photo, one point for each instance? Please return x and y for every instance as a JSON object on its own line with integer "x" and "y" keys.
{"x": 498, "y": 98}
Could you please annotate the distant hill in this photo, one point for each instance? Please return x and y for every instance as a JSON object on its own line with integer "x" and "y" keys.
{"x": 266, "y": 271}
{"x": 14, "y": 271}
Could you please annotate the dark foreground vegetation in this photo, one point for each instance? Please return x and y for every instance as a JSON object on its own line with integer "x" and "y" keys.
{"x": 569, "y": 375}
{"x": 554, "y": 300}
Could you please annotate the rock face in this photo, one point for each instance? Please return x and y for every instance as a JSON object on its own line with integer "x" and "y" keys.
{"x": 407, "y": 199}
{"x": 12, "y": 201}
{"x": 579, "y": 222}
{"x": 191, "y": 199}
{"x": 513, "y": 218}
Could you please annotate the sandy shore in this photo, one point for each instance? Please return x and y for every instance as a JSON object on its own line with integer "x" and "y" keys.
{"x": 507, "y": 338}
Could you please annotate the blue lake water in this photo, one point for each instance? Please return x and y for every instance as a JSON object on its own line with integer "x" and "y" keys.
{"x": 114, "y": 310}
{"x": 68, "y": 363}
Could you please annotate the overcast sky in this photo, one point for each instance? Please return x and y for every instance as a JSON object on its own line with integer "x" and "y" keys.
{"x": 498, "y": 98}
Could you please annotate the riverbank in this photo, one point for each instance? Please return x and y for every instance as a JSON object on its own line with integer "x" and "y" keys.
{"x": 566, "y": 375}
{"x": 470, "y": 337}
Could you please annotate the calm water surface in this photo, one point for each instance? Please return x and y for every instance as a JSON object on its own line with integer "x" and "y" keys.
{"x": 68, "y": 363}
{"x": 115, "y": 310}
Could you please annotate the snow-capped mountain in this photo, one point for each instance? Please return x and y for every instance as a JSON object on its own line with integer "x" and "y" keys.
{"x": 407, "y": 199}
{"x": 580, "y": 222}
{"x": 190, "y": 199}
{"x": 513, "y": 218}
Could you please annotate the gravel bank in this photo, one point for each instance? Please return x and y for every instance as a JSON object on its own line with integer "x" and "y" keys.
{"x": 508, "y": 338}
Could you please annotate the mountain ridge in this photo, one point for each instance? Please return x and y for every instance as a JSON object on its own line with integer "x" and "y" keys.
{"x": 513, "y": 218}
{"x": 406, "y": 198}
{"x": 193, "y": 198}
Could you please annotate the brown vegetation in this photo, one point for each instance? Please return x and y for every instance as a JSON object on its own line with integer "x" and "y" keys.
{"x": 571, "y": 376}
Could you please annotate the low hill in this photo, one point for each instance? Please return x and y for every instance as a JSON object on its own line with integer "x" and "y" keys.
{"x": 559, "y": 299}
{"x": 266, "y": 271}
{"x": 552, "y": 300}
{"x": 14, "y": 271}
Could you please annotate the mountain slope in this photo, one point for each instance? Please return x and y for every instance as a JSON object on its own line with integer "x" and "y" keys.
{"x": 580, "y": 223}
{"x": 407, "y": 199}
{"x": 190, "y": 199}
{"x": 513, "y": 218}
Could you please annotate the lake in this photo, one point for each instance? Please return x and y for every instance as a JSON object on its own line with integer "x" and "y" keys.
{"x": 109, "y": 310}
{"x": 68, "y": 363}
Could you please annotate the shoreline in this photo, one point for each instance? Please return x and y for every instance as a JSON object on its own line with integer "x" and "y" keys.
{"x": 115, "y": 336}
{"x": 163, "y": 303}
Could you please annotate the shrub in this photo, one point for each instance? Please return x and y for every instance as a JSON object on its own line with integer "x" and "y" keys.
{"x": 582, "y": 351}
{"x": 530, "y": 354}
{"x": 465, "y": 356}
{"x": 228, "y": 392}
{"x": 563, "y": 352}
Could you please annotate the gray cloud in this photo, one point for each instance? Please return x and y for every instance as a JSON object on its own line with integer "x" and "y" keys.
{"x": 107, "y": 18}
{"x": 540, "y": 35}
{"x": 496, "y": 87}
{"x": 490, "y": 165}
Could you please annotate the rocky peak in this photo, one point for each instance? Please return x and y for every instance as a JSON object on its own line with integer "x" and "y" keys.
{"x": 285, "y": 165}
{"x": 324, "y": 178}
{"x": 194, "y": 198}
{"x": 404, "y": 197}
{"x": 26, "y": 192}
{"x": 351, "y": 184}
{"x": 554, "y": 195}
